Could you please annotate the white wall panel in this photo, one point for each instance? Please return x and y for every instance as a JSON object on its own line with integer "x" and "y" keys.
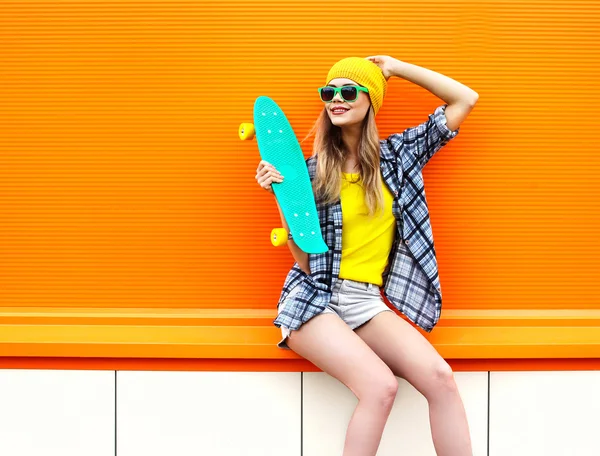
{"x": 209, "y": 413}
{"x": 57, "y": 412}
{"x": 545, "y": 413}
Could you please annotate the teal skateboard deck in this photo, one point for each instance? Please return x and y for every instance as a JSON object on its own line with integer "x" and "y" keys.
{"x": 278, "y": 145}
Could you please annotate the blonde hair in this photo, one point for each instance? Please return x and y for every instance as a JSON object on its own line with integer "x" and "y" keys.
{"x": 330, "y": 151}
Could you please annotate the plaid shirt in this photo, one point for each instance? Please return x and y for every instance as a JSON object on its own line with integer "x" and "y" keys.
{"x": 410, "y": 280}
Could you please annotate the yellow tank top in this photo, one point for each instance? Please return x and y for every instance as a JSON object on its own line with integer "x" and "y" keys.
{"x": 366, "y": 240}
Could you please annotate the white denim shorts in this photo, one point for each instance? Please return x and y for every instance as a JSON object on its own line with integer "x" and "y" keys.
{"x": 354, "y": 302}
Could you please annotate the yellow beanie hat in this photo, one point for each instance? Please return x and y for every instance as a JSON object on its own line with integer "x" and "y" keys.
{"x": 363, "y": 72}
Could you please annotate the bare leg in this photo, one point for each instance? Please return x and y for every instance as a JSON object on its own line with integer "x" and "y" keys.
{"x": 449, "y": 427}
{"x": 328, "y": 342}
{"x": 367, "y": 424}
{"x": 410, "y": 355}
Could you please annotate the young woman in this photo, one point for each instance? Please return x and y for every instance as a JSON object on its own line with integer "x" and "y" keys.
{"x": 331, "y": 311}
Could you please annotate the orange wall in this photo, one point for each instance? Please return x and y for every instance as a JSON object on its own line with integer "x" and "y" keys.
{"x": 123, "y": 182}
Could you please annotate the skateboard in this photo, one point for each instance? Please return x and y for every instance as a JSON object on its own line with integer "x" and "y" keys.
{"x": 279, "y": 146}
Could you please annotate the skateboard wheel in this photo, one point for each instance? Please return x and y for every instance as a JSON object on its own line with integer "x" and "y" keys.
{"x": 246, "y": 131}
{"x": 279, "y": 237}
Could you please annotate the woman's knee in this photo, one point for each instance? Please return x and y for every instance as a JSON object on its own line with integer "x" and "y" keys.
{"x": 382, "y": 389}
{"x": 442, "y": 379}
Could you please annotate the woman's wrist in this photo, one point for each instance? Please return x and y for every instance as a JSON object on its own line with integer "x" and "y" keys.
{"x": 398, "y": 68}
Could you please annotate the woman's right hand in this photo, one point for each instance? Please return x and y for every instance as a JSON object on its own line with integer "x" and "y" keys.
{"x": 266, "y": 174}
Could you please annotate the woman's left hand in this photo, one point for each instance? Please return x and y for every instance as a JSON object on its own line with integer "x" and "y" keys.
{"x": 385, "y": 62}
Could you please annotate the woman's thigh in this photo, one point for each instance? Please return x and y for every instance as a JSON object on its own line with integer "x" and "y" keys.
{"x": 407, "y": 352}
{"x": 329, "y": 343}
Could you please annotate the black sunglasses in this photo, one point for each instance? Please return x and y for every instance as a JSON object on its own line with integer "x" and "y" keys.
{"x": 349, "y": 93}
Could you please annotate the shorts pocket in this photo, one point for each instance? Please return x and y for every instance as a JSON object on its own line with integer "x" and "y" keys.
{"x": 355, "y": 286}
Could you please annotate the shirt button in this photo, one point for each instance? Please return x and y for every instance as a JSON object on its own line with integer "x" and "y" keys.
{"x": 406, "y": 241}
